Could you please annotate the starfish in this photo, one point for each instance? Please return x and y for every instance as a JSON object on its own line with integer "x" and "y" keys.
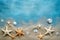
{"x": 40, "y": 36}
{"x": 19, "y": 32}
{"x": 6, "y": 31}
{"x": 49, "y": 30}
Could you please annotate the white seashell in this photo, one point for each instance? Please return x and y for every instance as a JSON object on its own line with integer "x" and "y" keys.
{"x": 14, "y": 23}
{"x": 35, "y": 30}
{"x": 49, "y": 20}
{"x": 57, "y": 33}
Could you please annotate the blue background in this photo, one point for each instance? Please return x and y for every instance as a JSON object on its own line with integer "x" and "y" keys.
{"x": 30, "y": 10}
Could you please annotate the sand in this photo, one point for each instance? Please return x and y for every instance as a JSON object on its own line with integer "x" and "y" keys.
{"x": 31, "y": 35}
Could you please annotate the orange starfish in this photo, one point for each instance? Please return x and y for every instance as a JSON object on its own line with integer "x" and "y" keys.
{"x": 19, "y": 32}
{"x": 40, "y": 36}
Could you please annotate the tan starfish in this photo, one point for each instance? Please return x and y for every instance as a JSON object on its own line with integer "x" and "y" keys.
{"x": 40, "y": 36}
{"x": 49, "y": 30}
{"x": 6, "y": 31}
{"x": 19, "y": 32}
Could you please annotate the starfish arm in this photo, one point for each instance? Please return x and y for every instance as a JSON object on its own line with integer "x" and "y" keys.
{"x": 45, "y": 28}
{"x": 3, "y": 30}
{"x": 52, "y": 30}
{"x": 46, "y": 33}
{"x": 4, "y": 34}
{"x": 16, "y": 31}
{"x": 50, "y": 34}
{"x": 9, "y": 34}
{"x": 21, "y": 30}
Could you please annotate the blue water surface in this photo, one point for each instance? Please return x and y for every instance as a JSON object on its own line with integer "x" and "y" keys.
{"x": 30, "y": 10}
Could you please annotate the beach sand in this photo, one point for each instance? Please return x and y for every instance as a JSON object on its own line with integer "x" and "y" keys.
{"x": 29, "y": 34}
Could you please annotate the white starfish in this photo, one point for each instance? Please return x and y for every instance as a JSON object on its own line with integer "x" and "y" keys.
{"x": 49, "y": 30}
{"x": 6, "y": 31}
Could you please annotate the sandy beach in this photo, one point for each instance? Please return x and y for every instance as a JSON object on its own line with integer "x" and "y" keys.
{"x": 29, "y": 34}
